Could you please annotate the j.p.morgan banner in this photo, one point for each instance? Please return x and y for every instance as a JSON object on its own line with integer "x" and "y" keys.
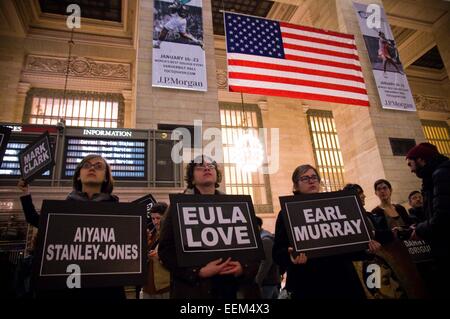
{"x": 211, "y": 227}
{"x": 36, "y": 158}
{"x": 178, "y": 51}
{"x": 392, "y": 84}
{"x": 102, "y": 243}
{"x": 325, "y": 224}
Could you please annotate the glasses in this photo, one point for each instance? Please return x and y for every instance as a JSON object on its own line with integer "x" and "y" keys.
{"x": 97, "y": 166}
{"x": 205, "y": 166}
{"x": 306, "y": 179}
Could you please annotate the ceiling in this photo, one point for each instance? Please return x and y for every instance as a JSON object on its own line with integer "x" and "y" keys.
{"x": 260, "y": 8}
{"x": 109, "y": 10}
{"x": 432, "y": 59}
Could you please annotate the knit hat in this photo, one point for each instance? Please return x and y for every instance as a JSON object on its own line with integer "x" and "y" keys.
{"x": 424, "y": 151}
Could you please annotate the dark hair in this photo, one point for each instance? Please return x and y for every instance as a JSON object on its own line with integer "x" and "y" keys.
{"x": 382, "y": 181}
{"x": 199, "y": 160}
{"x": 353, "y": 187}
{"x": 412, "y": 194}
{"x": 107, "y": 185}
{"x": 259, "y": 221}
{"x": 300, "y": 170}
{"x": 159, "y": 208}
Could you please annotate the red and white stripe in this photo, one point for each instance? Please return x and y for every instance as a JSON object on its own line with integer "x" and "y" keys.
{"x": 318, "y": 65}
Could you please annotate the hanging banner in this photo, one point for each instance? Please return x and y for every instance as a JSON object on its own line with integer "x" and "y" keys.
{"x": 178, "y": 53}
{"x": 392, "y": 84}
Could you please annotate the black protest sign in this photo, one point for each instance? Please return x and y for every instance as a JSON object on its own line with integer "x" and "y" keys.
{"x": 104, "y": 242}
{"x": 148, "y": 200}
{"x": 36, "y": 158}
{"x": 325, "y": 224}
{"x": 5, "y": 133}
{"x": 419, "y": 250}
{"x": 208, "y": 227}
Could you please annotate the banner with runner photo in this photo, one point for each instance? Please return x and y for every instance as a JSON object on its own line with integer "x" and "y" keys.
{"x": 390, "y": 77}
{"x": 178, "y": 52}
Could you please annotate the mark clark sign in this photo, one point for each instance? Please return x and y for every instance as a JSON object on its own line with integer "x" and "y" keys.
{"x": 325, "y": 224}
{"x": 36, "y": 158}
{"x": 212, "y": 227}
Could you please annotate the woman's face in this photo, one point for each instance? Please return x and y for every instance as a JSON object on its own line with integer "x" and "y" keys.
{"x": 308, "y": 182}
{"x": 383, "y": 191}
{"x": 205, "y": 174}
{"x": 156, "y": 220}
{"x": 93, "y": 172}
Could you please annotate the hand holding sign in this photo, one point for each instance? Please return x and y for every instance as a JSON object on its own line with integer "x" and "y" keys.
{"x": 374, "y": 246}
{"x": 213, "y": 268}
{"x": 232, "y": 268}
{"x": 298, "y": 260}
{"x": 23, "y": 186}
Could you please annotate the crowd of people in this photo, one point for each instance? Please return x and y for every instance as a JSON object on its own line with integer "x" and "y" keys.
{"x": 283, "y": 273}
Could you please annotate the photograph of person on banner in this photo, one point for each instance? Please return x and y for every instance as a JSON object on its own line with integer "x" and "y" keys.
{"x": 322, "y": 277}
{"x": 92, "y": 181}
{"x": 388, "y": 52}
{"x": 219, "y": 279}
{"x": 177, "y": 22}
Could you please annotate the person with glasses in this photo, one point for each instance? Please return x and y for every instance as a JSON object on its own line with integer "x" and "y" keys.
{"x": 92, "y": 181}
{"x": 219, "y": 279}
{"x": 324, "y": 277}
{"x": 388, "y": 218}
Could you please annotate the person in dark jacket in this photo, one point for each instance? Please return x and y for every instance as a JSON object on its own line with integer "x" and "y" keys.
{"x": 219, "y": 279}
{"x": 268, "y": 276}
{"x": 158, "y": 277}
{"x": 92, "y": 181}
{"x": 416, "y": 212}
{"x": 388, "y": 219}
{"x": 434, "y": 169}
{"x": 325, "y": 277}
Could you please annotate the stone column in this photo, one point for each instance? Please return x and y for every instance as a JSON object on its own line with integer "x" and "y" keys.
{"x": 441, "y": 31}
{"x": 130, "y": 109}
{"x": 22, "y": 90}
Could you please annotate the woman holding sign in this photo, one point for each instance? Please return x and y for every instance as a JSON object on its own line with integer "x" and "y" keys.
{"x": 323, "y": 277}
{"x": 92, "y": 181}
{"x": 219, "y": 279}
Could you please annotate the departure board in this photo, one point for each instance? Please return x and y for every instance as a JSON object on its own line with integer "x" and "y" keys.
{"x": 127, "y": 158}
{"x": 10, "y": 166}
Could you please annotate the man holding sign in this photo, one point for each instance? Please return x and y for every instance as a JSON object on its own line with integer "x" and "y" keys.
{"x": 317, "y": 240}
{"x": 196, "y": 233}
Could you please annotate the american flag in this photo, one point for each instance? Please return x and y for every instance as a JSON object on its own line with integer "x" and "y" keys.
{"x": 281, "y": 59}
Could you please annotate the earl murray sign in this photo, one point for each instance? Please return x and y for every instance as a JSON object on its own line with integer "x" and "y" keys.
{"x": 211, "y": 227}
{"x": 103, "y": 242}
{"x": 325, "y": 224}
{"x": 36, "y": 158}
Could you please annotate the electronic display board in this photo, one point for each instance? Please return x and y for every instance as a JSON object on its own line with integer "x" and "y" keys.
{"x": 127, "y": 158}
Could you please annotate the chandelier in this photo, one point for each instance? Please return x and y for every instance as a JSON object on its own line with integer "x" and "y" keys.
{"x": 247, "y": 152}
